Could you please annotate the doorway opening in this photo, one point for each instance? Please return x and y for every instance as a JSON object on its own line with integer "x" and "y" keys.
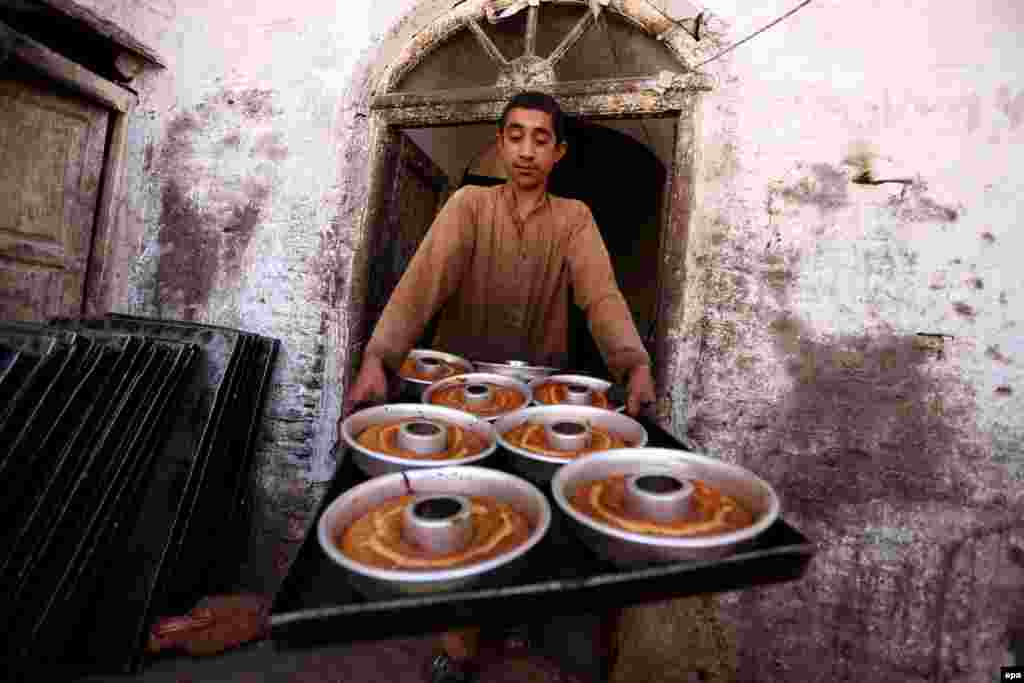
{"x": 618, "y": 168}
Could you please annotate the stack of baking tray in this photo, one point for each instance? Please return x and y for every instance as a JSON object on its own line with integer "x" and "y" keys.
{"x": 127, "y": 454}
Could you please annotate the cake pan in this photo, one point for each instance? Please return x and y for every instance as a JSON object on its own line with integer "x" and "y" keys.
{"x": 374, "y": 463}
{"x": 439, "y": 481}
{"x": 625, "y": 548}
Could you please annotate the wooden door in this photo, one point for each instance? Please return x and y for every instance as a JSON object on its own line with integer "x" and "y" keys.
{"x": 417, "y": 190}
{"x": 51, "y": 160}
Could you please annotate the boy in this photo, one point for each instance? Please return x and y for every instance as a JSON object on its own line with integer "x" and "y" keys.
{"x": 497, "y": 263}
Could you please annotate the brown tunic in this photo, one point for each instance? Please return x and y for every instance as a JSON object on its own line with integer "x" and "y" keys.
{"x": 502, "y": 285}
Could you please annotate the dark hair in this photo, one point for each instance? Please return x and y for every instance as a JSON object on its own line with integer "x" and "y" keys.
{"x": 539, "y": 101}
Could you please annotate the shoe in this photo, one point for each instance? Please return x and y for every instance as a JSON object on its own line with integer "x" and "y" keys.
{"x": 444, "y": 669}
{"x": 517, "y": 641}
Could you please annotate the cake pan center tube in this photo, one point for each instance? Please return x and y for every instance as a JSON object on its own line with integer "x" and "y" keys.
{"x": 577, "y": 395}
{"x": 439, "y": 524}
{"x": 428, "y": 366}
{"x": 659, "y": 497}
{"x": 423, "y": 437}
{"x": 568, "y": 435}
{"x": 477, "y": 394}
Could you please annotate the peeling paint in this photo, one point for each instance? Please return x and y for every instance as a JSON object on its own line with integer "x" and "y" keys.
{"x": 271, "y": 146}
{"x": 964, "y": 310}
{"x": 1011, "y": 105}
{"x": 214, "y": 216}
{"x": 254, "y": 103}
{"x": 826, "y": 188}
{"x": 994, "y": 353}
{"x": 189, "y": 250}
{"x": 177, "y": 144}
{"x": 914, "y": 206}
{"x": 243, "y": 220}
{"x": 1008, "y": 448}
{"x": 899, "y": 536}
{"x": 725, "y": 162}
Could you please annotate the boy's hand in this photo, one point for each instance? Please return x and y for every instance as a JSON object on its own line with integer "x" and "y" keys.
{"x": 371, "y": 385}
{"x": 641, "y": 391}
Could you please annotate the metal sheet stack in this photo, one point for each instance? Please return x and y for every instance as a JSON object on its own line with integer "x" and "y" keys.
{"x": 126, "y": 451}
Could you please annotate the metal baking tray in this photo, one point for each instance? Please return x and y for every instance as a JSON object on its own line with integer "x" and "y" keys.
{"x": 19, "y": 409}
{"x": 111, "y": 528}
{"x": 317, "y": 606}
{"x": 121, "y": 428}
{"x": 34, "y": 338}
{"x": 42, "y": 435}
{"x": 42, "y": 578}
{"x": 92, "y": 403}
{"x": 17, "y": 365}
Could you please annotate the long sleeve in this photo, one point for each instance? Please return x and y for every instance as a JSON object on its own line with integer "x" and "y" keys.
{"x": 433, "y": 275}
{"x": 598, "y": 294}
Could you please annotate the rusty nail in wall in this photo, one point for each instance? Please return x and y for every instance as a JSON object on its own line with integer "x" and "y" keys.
{"x": 932, "y": 342}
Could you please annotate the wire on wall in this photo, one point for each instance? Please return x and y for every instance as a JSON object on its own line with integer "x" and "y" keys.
{"x": 755, "y": 33}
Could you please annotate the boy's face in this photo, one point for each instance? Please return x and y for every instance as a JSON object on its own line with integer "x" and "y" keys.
{"x": 527, "y": 146}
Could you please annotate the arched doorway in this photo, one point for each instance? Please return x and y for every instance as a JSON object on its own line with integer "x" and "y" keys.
{"x": 410, "y": 117}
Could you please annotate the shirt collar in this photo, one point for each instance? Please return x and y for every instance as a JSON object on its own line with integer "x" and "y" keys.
{"x": 511, "y": 202}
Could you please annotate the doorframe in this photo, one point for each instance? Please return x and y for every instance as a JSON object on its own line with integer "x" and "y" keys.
{"x": 101, "y": 264}
{"x": 627, "y": 98}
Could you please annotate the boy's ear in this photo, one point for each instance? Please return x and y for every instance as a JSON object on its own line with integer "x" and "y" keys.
{"x": 560, "y": 151}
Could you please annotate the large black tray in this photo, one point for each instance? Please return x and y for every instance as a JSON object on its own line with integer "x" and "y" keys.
{"x": 316, "y": 605}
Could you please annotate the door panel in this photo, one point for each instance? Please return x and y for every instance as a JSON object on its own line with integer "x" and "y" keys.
{"x": 51, "y": 152}
{"x": 410, "y": 206}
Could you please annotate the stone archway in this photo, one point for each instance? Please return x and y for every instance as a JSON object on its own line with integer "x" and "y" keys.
{"x": 669, "y": 93}
{"x": 684, "y": 39}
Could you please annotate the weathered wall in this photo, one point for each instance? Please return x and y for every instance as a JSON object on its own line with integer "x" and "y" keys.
{"x": 814, "y": 320}
{"x": 245, "y": 174}
{"x": 856, "y": 345}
